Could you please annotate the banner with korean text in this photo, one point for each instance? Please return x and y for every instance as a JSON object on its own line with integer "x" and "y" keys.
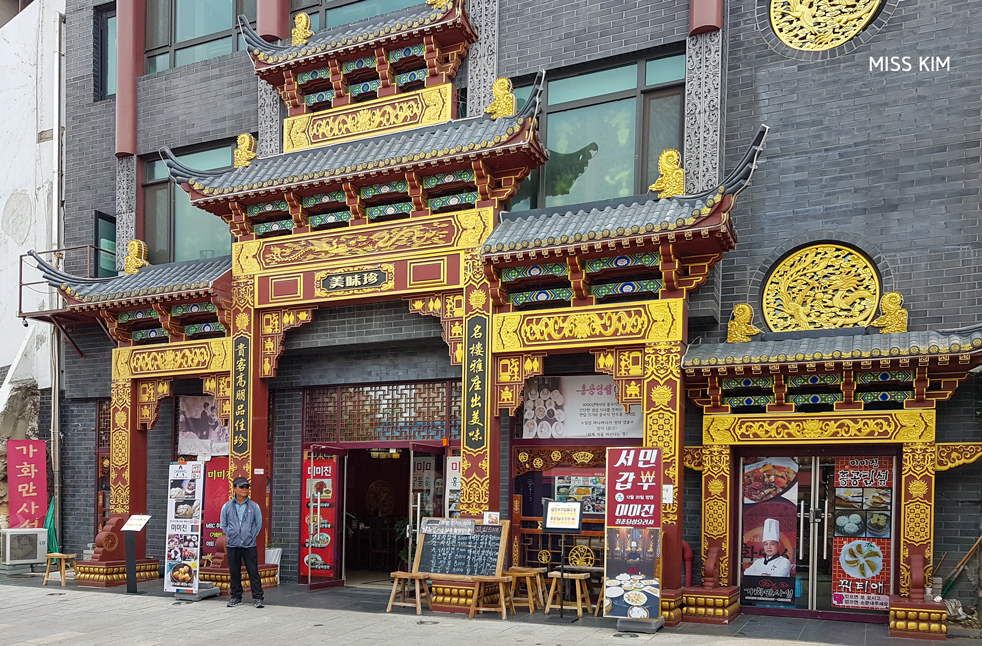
{"x": 27, "y": 482}
{"x": 217, "y": 493}
{"x": 560, "y": 408}
{"x": 319, "y": 519}
{"x": 632, "y": 568}
{"x": 186, "y": 483}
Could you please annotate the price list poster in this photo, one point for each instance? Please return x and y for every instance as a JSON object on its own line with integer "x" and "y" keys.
{"x": 632, "y": 567}
{"x": 863, "y": 531}
{"x": 318, "y": 529}
{"x": 184, "y": 500}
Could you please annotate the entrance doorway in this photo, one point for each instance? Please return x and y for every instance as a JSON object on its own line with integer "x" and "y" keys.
{"x": 817, "y": 535}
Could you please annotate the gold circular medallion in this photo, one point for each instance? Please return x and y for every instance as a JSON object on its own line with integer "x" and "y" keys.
{"x": 581, "y": 556}
{"x": 545, "y": 556}
{"x": 821, "y": 287}
{"x": 820, "y": 25}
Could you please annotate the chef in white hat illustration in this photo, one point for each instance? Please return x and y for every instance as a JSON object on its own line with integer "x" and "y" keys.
{"x": 773, "y": 563}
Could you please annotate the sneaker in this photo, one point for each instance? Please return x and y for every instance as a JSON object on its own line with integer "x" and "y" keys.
{"x": 233, "y": 602}
{"x": 259, "y": 603}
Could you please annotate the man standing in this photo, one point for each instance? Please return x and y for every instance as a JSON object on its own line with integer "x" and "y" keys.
{"x": 241, "y": 521}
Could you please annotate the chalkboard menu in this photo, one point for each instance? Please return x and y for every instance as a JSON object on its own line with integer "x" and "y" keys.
{"x": 451, "y": 551}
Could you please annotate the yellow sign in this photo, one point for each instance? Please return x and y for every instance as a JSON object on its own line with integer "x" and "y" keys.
{"x": 424, "y": 107}
{"x": 820, "y": 428}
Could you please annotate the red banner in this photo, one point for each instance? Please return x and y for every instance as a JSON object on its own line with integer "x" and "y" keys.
{"x": 318, "y": 518}
{"x": 633, "y": 487}
{"x": 216, "y": 495}
{"x": 863, "y": 526}
{"x": 27, "y": 481}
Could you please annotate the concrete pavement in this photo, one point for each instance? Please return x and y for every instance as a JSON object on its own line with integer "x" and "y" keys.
{"x": 34, "y": 615}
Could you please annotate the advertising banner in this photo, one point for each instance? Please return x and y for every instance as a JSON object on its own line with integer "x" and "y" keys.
{"x": 632, "y": 572}
{"x": 770, "y": 531}
{"x": 428, "y": 481}
{"x": 185, "y": 492}
{"x": 217, "y": 493}
{"x": 199, "y": 429}
{"x": 588, "y": 486}
{"x": 453, "y": 483}
{"x": 577, "y": 407}
{"x": 27, "y": 482}
{"x": 318, "y": 517}
{"x": 863, "y": 524}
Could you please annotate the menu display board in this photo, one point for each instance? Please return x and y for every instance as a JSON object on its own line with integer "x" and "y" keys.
{"x": 185, "y": 491}
{"x": 217, "y": 493}
{"x": 577, "y": 407}
{"x": 27, "y": 481}
{"x": 445, "y": 547}
{"x": 563, "y": 517}
{"x": 632, "y": 569}
{"x": 770, "y": 531}
{"x": 584, "y": 485}
{"x": 318, "y": 517}
{"x": 863, "y": 525}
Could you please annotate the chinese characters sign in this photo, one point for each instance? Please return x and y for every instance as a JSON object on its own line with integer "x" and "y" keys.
{"x": 353, "y": 280}
{"x": 240, "y": 396}
{"x": 770, "y": 531}
{"x": 318, "y": 526}
{"x": 184, "y": 496}
{"x": 576, "y": 407}
{"x": 863, "y": 522}
{"x": 474, "y": 443}
{"x": 27, "y": 479}
{"x": 632, "y": 568}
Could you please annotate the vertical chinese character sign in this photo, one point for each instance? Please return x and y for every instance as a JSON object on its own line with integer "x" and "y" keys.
{"x": 632, "y": 573}
{"x": 27, "y": 480}
{"x": 184, "y": 495}
{"x": 863, "y": 522}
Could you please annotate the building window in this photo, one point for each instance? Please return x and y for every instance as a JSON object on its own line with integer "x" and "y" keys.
{"x": 105, "y": 244}
{"x": 106, "y": 32}
{"x": 327, "y": 14}
{"x": 604, "y": 131}
{"x": 173, "y": 229}
{"x": 181, "y": 32}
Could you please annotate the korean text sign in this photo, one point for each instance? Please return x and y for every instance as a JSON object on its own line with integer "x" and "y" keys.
{"x": 633, "y": 487}
{"x": 27, "y": 479}
{"x": 186, "y": 483}
{"x": 319, "y": 518}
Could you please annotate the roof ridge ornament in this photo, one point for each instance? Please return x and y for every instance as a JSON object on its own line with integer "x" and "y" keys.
{"x": 136, "y": 256}
{"x": 672, "y": 176}
{"x": 740, "y": 327}
{"x": 894, "y": 318}
{"x": 504, "y": 104}
{"x": 442, "y": 5}
{"x": 246, "y": 150}
{"x": 301, "y": 32}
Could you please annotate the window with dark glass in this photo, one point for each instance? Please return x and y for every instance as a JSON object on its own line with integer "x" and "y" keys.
{"x": 181, "y": 32}
{"x": 105, "y": 243}
{"x": 327, "y": 14}
{"x": 106, "y": 32}
{"x": 604, "y": 131}
{"x": 173, "y": 229}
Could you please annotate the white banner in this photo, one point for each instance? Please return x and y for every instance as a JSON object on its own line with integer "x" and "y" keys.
{"x": 185, "y": 492}
{"x": 577, "y": 407}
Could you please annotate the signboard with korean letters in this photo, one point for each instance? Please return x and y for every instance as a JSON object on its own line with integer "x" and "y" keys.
{"x": 632, "y": 570}
{"x": 863, "y": 531}
{"x": 184, "y": 512}
{"x": 27, "y": 482}
{"x": 577, "y": 407}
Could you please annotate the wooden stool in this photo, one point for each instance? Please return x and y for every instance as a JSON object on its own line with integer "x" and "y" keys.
{"x": 404, "y": 578}
{"x": 540, "y": 582}
{"x": 504, "y": 595}
{"x": 531, "y": 580}
{"x": 581, "y": 591}
{"x": 61, "y": 559}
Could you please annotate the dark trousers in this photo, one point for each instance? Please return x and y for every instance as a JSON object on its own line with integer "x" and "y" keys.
{"x": 248, "y": 556}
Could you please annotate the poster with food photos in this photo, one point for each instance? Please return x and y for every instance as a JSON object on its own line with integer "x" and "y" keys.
{"x": 770, "y": 531}
{"x": 184, "y": 513}
{"x": 558, "y": 408}
{"x": 318, "y": 521}
{"x": 863, "y": 520}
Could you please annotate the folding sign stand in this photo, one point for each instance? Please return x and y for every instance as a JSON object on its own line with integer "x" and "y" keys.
{"x": 563, "y": 518}
{"x": 135, "y": 524}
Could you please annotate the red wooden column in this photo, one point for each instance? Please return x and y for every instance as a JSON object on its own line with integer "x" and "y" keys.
{"x": 273, "y": 19}
{"x": 130, "y": 46}
{"x": 705, "y": 16}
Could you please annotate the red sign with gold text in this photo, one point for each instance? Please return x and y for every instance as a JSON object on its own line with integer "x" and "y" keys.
{"x": 217, "y": 493}
{"x": 318, "y": 518}
{"x": 27, "y": 481}
{"x": 633, "y": 487}
{"x": 863, "y": 520}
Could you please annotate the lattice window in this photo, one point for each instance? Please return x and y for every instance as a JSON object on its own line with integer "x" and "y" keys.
{"x": 383, "y": 412}
{"x": 103, "y": 423}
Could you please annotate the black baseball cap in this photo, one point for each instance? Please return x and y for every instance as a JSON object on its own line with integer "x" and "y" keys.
{"x": 240, "y": 482}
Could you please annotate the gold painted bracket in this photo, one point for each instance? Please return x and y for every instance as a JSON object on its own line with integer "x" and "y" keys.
{"x": 509, "y": 378}
{"x": 820, "y": 428}
{"x": 955, "y": 454}
{"x": 449, "y": 308}
{"x": 627, "y": 367}
{"x": 692, "y": 458}
{"x": 150, "y": 392}
{"x": 275, "y": 323}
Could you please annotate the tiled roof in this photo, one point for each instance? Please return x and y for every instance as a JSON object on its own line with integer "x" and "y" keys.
{"x": 356, "y": 33}
{"x": 619, "y": 217}
{"x": 442, "y": 140}
{"x": 836, "y": 348}
{"x": 155, "y": 280}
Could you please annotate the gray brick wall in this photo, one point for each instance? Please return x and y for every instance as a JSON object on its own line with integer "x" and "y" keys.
{"x": 160, "y": 453}
{"x": 78, "y": 424}
{"x": 85, "y": 378}
{"x": 287, "y": 479}
{"x": 558, "y": 33}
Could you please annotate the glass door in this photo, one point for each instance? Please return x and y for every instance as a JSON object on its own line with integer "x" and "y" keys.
{"x": 830, "y": 551}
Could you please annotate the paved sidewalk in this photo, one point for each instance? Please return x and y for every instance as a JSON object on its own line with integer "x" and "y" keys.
{"x": 31, "y": 614}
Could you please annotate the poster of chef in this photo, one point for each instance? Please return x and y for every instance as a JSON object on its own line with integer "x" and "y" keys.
{"x": 770, "y": 531}
{"x": 186, "y": 485}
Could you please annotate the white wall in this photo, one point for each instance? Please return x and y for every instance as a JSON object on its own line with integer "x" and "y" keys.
{"x": 27, "y": 138}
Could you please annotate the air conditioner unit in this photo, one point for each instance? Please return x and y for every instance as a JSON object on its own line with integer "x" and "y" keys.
{"x": 23, "y": 546}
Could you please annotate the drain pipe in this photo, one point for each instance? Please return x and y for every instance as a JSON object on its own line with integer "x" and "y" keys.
{"x": 56, "y": 224}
